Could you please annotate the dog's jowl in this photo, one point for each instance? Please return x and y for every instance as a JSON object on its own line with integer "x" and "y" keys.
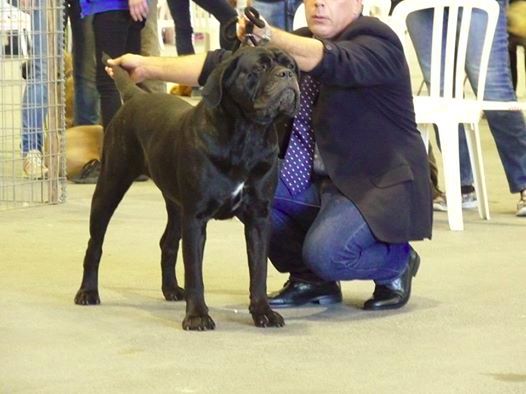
{"x": 212, "y": 161}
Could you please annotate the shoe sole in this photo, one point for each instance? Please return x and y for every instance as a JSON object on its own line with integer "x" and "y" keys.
{"x": 521, "y": 212}
{"x": 321, "y": 300}
{"x": 35, "y": 177}
{"x": 439, "y": 208}
{"x": 470, "y": 205}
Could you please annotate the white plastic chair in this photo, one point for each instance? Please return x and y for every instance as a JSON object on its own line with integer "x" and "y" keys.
{"x": 299, "y": 17}
{"x": 377, "y": 8}
{"x": 449, "y": 108}
{"x": 13, "y": 20}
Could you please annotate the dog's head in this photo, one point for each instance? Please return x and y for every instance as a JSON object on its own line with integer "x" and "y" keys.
{"x": 260, "y": 81}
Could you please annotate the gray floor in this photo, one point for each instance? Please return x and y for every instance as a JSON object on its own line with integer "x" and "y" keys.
{"x": 462, "y": 332}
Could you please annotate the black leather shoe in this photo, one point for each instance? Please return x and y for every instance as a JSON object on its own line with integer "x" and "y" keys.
{"x": 296, "y": 293}
{"x": 395, "y": 294}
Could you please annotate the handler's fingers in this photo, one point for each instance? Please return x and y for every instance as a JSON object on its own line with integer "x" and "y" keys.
{"x": 241, "y": 28}
{"x": 138, "y": 10}
{"x": 109, "y": 71}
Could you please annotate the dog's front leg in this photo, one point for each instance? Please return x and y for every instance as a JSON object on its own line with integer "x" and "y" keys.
{"x": 194, "y": 237}
{"x": 257, "y": 233}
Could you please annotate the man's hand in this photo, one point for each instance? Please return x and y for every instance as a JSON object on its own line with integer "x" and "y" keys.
{"x": 138, "y": 9}
{"x": 257, "y": 33}
{"x": 134, "y": 64}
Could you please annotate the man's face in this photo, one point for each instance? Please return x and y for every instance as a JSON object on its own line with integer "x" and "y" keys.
{"x": 328, "y": 18}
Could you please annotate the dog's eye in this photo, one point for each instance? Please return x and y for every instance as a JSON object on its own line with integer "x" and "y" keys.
{"x": 290, "y": 66}
{"x": 263, "y": 67}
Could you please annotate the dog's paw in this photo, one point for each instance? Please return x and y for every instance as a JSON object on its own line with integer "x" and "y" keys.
{"x": 268, "y": 319}
{"x": 198, "y": 323}
{"x": 87, "y": 297}
{"x": 173, "y": 294}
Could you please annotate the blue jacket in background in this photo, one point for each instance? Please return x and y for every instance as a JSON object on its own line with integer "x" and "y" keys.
{"x": 90, "y": 7}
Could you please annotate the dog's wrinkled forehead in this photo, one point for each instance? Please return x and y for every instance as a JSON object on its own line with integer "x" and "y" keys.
{"x": 250, "y": 57}
{"x": 243, "y": 70}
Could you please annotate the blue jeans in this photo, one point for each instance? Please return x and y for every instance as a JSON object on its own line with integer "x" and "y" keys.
{"x": 321, "y": 235}
{"x": 507, "y": 127}
{"x": 278, "y": 13}
{"x": 35, "y": 98}
{"x": 87, "y": 101}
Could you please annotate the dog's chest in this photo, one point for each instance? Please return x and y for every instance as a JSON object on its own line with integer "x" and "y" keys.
{"x": 227, "y": 201}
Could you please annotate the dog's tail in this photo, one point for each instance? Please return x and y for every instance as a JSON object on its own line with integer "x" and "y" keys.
{"x": 124, "y": 83}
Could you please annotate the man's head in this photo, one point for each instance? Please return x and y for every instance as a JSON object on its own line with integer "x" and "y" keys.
{"x": 328, "y": 18}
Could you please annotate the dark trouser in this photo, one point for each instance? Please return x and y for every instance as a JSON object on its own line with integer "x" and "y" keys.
{"x": 180, "y": 10}
{"x": 116, "y": 33}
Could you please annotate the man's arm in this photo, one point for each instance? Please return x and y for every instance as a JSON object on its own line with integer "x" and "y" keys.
{"x": 307, "y": 52}
{"x": 183, "y": 69}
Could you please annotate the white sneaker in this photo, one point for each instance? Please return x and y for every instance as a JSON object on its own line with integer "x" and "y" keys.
{"x": 439, "y": 203}
{"x": 469, "y": 201}
{"x": 521, "y": 205}
{"x": 34, "y": 167}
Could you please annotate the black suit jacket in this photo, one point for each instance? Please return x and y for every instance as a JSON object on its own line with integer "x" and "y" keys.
{"x": 364, "y": 125}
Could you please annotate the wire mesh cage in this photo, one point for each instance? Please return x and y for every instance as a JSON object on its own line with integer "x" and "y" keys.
{"x": 32, "y": 149}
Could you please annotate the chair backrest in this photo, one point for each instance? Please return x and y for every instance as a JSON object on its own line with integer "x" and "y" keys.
{"x": 452, "y": 21}
{"x": 377, "y": 8}
{"x": 299, "y": 17}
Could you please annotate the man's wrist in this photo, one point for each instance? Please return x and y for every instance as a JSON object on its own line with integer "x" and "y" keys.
{"x": 267, "y": 33}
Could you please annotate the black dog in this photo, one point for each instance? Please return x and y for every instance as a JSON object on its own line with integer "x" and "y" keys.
{"x": 216, "y": 160}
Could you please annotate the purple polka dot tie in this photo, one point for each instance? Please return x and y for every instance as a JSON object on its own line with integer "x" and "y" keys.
{"x": 297, "y": 166}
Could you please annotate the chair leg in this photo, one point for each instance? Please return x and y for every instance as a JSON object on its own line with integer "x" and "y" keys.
{"x": 448, "y": 132}
{"x": 424, "y": 133}
{"x": 477, "y": 165}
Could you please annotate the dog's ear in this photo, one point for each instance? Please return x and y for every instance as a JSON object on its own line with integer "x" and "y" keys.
{"x": 213, "y": 89}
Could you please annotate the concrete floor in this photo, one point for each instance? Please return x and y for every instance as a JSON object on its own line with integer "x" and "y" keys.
{"x": 462, "y": 332}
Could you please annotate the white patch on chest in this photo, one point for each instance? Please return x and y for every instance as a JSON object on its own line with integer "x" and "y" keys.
{"x": 238, "y": 189}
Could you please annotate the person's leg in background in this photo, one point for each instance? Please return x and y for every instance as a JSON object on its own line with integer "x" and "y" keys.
{"x": 35, "y": 97}
{"x": 115, "y": 34}
{"x": 274, "y": 12}
{"x": 150, "y": 47}
{"x": 87, "y": 100}
{"x": 180, "y": 10}
{"x": 439, "y": 199}
{"x": 507, "y": 127}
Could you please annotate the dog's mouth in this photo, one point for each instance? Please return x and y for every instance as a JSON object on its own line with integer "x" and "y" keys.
{"x": 288, "y": 102}
{"x": 278, "y": 102}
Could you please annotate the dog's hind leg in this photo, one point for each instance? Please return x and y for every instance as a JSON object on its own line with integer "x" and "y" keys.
{"x": 108, "y": 193}
{"x": 169, "y": 248}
